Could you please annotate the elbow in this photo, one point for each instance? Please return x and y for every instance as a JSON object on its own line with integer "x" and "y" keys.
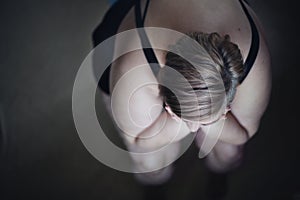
{"x": 143, "y": 142}
{"x": 242, "y": 137}
{"x": 249, "y": 133}
{"x": 252, "y": 132}
{"x": 241, "y": 140}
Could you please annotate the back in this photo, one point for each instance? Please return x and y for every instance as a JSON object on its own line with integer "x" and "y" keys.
{"x": 228, "y": 18}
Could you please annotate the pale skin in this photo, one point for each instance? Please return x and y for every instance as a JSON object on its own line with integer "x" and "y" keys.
{"x": 241, "y": 120}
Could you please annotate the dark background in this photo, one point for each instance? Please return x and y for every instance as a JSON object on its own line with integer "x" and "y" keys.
{"x": 42, "y": 46}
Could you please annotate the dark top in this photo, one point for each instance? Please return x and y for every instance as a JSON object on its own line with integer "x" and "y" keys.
{"x": 113, "y": 18}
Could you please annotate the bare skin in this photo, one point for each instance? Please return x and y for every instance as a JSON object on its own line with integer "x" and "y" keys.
{"x": 250, "y": 102}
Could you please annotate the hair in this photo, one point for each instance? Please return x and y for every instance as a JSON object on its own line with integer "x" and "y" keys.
{"x": 213, "y": 57}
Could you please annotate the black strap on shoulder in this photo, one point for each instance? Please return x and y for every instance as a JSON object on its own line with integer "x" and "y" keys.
{"x": 254, "y": 44}
{"x": 145, "y": 10}
{"x": 108, "y": 27}
{"x": 149, "y": 53}
{"x": 153, "y": 61}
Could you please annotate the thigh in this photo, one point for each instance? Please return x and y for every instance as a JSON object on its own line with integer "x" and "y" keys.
{"x": 223, "y": 151}
{"x": 224, "y": 157}
{"x": 157, "y": 169}
{"x": 149, "y": 162}
{"x": 228, "y": 153}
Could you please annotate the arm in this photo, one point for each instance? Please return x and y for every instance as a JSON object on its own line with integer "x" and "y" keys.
{"x": 251, "y": 99}
{"x": 247, "y": 110}
{"x": 137, "y": 107}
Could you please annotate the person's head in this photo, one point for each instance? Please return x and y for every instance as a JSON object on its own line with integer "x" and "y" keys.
{"x": 215, "y": 56}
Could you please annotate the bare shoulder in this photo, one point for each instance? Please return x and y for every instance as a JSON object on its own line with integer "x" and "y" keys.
{"x": 134, "y": 94}
{"x": 253, "y": 94}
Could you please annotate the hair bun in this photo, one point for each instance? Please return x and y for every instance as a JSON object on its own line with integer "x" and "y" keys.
{"x": 231, "y": 57}
{"x": 214, "y": 56}
{"x": 226, "y": 55}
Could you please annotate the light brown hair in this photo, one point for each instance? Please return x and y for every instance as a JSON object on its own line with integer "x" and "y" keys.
{"x": 216, "y": 56}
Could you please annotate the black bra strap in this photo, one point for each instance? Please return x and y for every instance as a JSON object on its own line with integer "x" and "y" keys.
{"x": 145, "y": 10}
{"x": 149, "y": 53}
{"x": 254, "y": 44}
{"x": 153, "y": 61}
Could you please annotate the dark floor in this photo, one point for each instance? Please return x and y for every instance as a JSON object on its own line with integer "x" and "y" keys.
{"x": 42, "y": 46}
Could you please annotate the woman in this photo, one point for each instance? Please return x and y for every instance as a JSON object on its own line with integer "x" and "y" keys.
{"x": 232, "y": 43}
